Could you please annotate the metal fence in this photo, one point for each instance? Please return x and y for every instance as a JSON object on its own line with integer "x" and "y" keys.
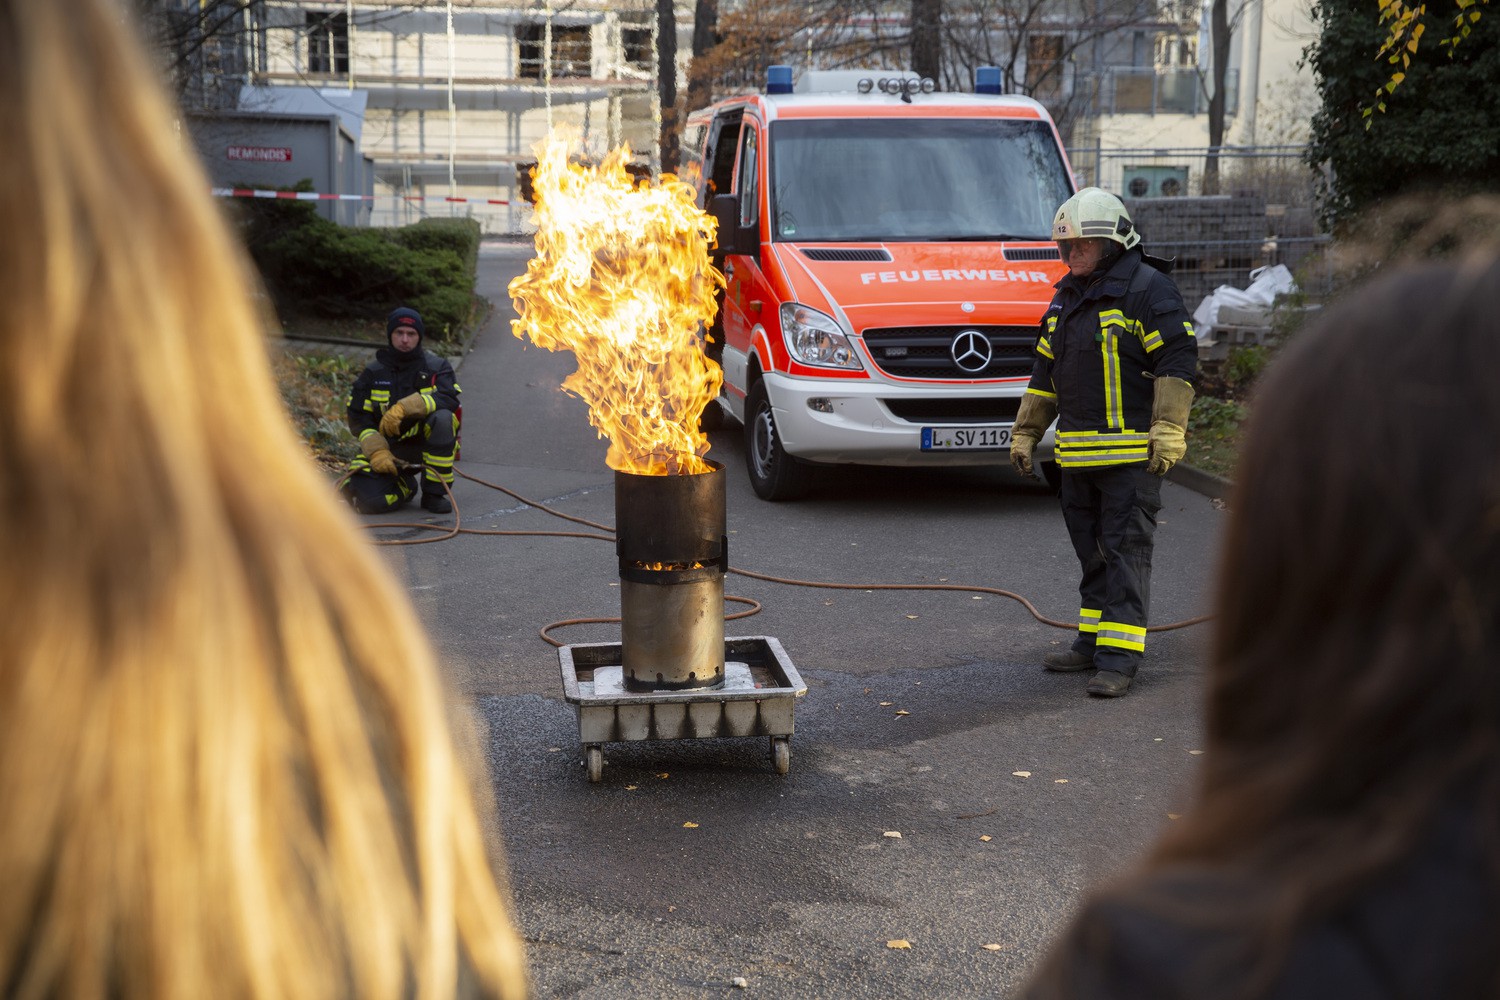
{"x": 1260, "y": 211}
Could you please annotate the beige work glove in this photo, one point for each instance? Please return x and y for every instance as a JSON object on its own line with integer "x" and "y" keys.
{"x": 1169, "y": 417}
{"x": 414, "y": 405}
{"x": 1032, "y": 420}
{"x": 378, "y": 454}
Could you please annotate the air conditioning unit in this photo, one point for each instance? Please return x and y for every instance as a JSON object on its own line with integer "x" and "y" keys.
{"x": 1155, "y": 182}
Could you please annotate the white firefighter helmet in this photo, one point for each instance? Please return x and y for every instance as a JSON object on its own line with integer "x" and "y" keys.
{"x": 1095, "y": 212}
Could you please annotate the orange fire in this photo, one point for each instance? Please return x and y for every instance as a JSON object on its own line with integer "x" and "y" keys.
{"x": 622, "y": 279}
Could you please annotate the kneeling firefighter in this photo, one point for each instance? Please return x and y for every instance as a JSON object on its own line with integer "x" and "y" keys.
{"x": 403, "y": 405}
{"x": 1116, "y": 359}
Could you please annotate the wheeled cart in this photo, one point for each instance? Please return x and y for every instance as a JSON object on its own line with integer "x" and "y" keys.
{"x": 758, "y": 697}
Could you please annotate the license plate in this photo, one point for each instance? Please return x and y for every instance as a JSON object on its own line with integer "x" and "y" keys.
{"x": 965, "y": 438}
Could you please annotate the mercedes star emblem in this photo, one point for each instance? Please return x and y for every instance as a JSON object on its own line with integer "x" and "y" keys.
{"x": 971, "y": 351}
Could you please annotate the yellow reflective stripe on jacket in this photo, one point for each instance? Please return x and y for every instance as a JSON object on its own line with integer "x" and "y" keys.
{"x": 1041, "y": 392}
{"x": 1044, "y": 348}
{"x": 1121, "y": 636}
{"x": 1109, "y": 347}
{"x": 367, "y": 432}
{"x": 1078, "y": 449}
{"x": 1088, "y": 619}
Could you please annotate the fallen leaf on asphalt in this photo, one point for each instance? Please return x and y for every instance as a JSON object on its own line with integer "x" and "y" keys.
{"x": 665, "y": 774}
{"x": 671, "y": 909}
{"x": 631, "y": 788}
{"x": 1060, "y": 781}
{"x": 690, "y": 825}
{"x": 553, "y": 749}
{"x": 1195, "y": 753}
{"x": 886, "y": 704}
{"x": 900, "y": 943}
{"x": 993, "y": 947}
{"x": 911, "y": 616}
{"x": 1021, "y": 774}
{"x": 1157, "y": 740}
{"x": 977, "y": 597}
{"x": 740, "y": 981}
{"x": 902, "y": 711}
{"x": 827, "y": 604}
{"x": 985, "y": 837}
{"x": 1174, "y": 815}
{"x": 896, "y": 834}
{"x": 942, "y": 579}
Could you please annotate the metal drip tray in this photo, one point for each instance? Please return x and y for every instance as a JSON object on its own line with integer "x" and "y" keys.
{"x": 757, "y": 698}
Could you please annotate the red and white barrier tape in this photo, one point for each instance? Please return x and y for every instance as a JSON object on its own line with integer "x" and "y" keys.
{"x": 219, "y": 192}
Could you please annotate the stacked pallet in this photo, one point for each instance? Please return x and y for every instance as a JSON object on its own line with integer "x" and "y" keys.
{"x": 1216, "y": 239}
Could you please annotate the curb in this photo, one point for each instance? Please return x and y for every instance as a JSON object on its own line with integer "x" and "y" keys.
{"x": 1212, "y": 486}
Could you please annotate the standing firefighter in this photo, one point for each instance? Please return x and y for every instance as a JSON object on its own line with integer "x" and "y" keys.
{"x": 419, "y": 427}
{"x": 1116, "y": 359}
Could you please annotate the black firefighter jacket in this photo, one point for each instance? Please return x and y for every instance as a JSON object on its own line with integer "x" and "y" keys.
{"x": 1103, "y": 341}
{"x": 389, "y": 379}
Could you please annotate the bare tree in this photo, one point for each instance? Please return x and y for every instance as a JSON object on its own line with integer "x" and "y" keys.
{"x": 666, "y": 82}
{"x": 927, "y": 38}
{"x": 1052, "y": 50}
{"x": 1220, "y": 33}
{"x": 705, "y": 37}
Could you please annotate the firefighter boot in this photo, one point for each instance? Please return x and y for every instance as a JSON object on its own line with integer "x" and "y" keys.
{"x": 434, "y": 498}
{"x": 1108, "y": 684}
{"x": 1069, "y": 662}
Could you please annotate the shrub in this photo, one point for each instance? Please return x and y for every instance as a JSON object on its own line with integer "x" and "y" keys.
{"x": 314, "y": 267}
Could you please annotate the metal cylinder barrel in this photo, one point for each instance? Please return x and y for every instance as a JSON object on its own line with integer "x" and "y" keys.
{"x": 673, "y": 550}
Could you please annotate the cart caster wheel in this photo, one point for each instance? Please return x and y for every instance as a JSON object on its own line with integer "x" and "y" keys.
{"x": 596, "y": 764}
{"x": 781, "y": 753}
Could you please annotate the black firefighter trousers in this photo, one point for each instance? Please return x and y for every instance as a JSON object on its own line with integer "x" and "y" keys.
{"x": 1111, "y": 517}
{"x": 426, "y": 444}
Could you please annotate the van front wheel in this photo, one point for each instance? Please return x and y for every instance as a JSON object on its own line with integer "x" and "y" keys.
{"x": 774, "y": 474}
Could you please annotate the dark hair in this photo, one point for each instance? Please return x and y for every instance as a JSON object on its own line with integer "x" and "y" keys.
{"x": 1356, "y": 657}
{"x": 1354, "y": 693}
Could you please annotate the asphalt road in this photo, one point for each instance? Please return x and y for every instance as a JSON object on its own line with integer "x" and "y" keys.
{"x": 1011, "y": 790}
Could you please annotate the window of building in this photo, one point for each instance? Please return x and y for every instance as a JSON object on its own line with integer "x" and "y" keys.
{"x": 572, "y": 51}
{"x": 328, "y": 43}
{"x": 636, "y": 43}
{"x": 1044, "y": 66}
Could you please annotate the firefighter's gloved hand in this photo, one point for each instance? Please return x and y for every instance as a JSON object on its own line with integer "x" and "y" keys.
{"x": 414, "y": 405}
{"x": 1169, "y": 417}
{"x": 1032, "y": 420}
{"x": 378, "y": 454}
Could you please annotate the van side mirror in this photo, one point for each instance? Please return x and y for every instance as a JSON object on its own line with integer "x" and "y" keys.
{"x": 725, "y": 208}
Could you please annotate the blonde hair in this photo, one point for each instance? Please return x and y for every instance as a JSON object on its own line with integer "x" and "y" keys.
{"x": 227, "y": 762}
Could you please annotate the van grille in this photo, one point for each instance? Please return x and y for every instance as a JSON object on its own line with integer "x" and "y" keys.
{"x": 854, "y": 253}
{"x": 927, "y": 351}
{"x": 998, "y": 410}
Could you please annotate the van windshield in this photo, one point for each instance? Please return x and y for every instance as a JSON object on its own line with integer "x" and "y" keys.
{"x": 903, "y": 179}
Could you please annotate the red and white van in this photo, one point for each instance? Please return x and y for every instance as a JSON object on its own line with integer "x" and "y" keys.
{"x": 888, "y": 254}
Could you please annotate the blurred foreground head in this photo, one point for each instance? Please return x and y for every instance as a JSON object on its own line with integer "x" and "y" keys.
{"x": 227, "y": 764}
{"x": 1354, "y": 701}
{"x": 1359, "y": 604}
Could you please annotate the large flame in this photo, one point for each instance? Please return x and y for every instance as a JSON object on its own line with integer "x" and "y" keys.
{"x": 622, "y": 279}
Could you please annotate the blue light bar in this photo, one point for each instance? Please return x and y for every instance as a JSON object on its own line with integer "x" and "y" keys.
{"x": 987, "y": 80}
{"x": 778, "y": 79}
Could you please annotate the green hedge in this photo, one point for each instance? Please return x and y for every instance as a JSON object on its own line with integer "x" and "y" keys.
{"x": 314, "y": 267}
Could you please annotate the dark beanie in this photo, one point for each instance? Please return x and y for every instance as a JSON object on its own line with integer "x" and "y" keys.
{"x": 404, "y": 317}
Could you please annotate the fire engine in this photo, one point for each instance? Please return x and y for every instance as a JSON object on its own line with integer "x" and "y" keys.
{"x": 887, "y": 256}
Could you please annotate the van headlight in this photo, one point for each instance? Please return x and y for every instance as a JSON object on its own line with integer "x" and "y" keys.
{"x": 814, "y": 338}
